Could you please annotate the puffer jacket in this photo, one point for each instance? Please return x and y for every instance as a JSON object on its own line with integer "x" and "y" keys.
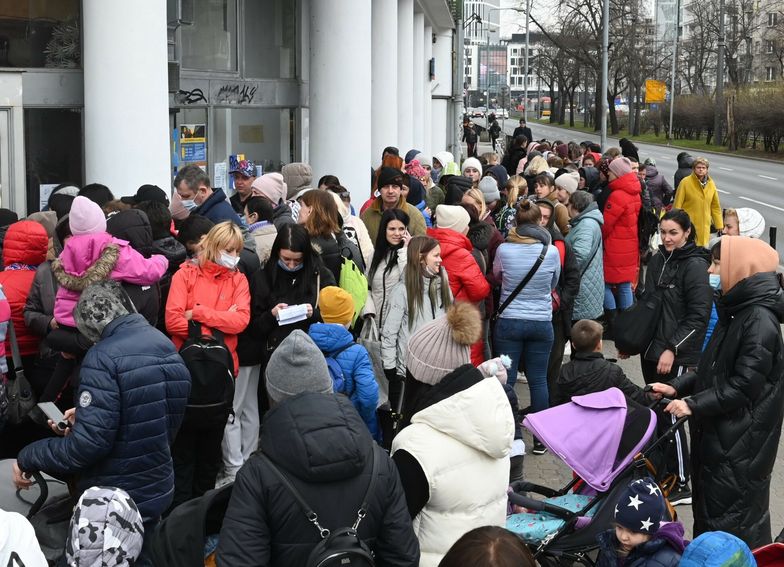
{"x": 354, "y": 360}
{"x": 685, "y": 161}
{"x": 619, "y": 231}
{"x": 90, "y": 258}
{"x": 661, "y": 191}
{"x": 25, "y": 247}
{"x": 590, "y": 372}
{"x": 466, "y": 279}
{"x": 208, "y": 291}
{"x": 218, "y": 209}
{"x": 736, "y": 398}
{"x": 585, "y": 237}
{"x": 664, "y": 549}
{"x": 381, "y": 284}
{"x": 682, "y": 276}
{"x": 320, "y": 443}
{"x": 264, "y": 235}
{"x": 39, "y": 307}
{"x": 133, "y": 387}
{"x": 18, "y": 544}
{"x": 396, "y": 329}
{"x": 465, "y": 461}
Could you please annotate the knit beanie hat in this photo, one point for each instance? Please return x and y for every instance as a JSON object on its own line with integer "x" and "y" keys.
{"x": 489, "y": 188}
{"x": 7, "y": 217}
{"x": 603, "y": 165}
{"x": 411, "y": 154}
{"x": 439, "y": 347}
{"x": 336, "y": 305}
{"x": 86, "y": 217}
{"x": 100, "y": 304}
{"x": 423, "y": 160}
{"x": 451, "y": 168}
{"x": 452, "y": 216}
{"x": 743, "y": 257}
{"x": 717, "y": 549}
{"x": 640, "y": 507}
{"x": 296, "y": 175}
{"x": 471, "y": 162}
{"x": 568, "y": 181}
{"x": 750, "y": 222}
{"x": 415, "y": 168}
{"x": 272, "y": 186}
{"x": 562, "y": 150}
{"x": 389, "y": 176}
{"x": 620, "y": 166}
{"x": 297, "y": 366}
{"x": 106, "y": 529}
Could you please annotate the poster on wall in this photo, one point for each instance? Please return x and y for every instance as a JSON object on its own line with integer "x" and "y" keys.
{"x": 193, "y": 144}
{"x": 45, "y": 190}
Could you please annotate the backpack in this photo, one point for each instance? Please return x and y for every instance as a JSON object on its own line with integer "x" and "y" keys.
{"x": 340, "y": 382}
{"x": 647, "y": 226}
{"x": 211, "y": 367}
{"x": 340, "y": 547}
{"x": 352, "y": 279}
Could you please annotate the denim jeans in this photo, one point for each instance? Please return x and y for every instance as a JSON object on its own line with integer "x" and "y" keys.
{"x": 532, "y": 340}
{"x": 623, "y": 292}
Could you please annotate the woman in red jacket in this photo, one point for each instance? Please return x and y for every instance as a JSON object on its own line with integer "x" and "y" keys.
{"x": 212, "y": 292}
{"x": 619, "y": 232}
{"x": 466, "y": 279}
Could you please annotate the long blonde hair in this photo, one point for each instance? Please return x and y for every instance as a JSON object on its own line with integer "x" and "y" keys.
{"x": 418, "y": 249}
{"x": 479, "y": 199}
{"x": 513, "y": 187}
{"x": 224, "y": 236}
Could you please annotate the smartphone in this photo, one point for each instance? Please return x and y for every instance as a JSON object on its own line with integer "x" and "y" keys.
{"x": 53, "y": 412}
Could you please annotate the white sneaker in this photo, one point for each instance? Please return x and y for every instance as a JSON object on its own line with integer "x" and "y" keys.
{"x": 224, "y": 479}
{"x": 568, "y": 348}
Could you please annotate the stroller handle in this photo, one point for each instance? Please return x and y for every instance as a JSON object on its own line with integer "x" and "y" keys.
{"x": 40, "y": 481}
{"x": 540, "y": 506}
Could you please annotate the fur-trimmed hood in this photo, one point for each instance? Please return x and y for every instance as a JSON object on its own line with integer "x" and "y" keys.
{"x": 98, "y": 272}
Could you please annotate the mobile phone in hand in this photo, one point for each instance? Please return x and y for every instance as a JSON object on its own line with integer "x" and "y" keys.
{"x": 53, "y": 412}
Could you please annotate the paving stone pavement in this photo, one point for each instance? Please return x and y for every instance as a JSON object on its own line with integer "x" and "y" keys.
{"x": 549, "y": 470}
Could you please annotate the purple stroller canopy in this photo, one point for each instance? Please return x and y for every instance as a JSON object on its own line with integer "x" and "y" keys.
{"x": 586, "y": 433}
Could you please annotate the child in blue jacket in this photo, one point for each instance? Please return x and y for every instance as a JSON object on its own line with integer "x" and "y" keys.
{"x": 335, "y": 341}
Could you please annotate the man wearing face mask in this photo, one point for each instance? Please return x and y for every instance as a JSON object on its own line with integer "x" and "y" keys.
{"x": 198, "y": 197}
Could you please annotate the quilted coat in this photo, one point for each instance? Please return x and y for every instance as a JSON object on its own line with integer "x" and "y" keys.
{"x": 702, "y": 204}
{"x": 737, "y": 402}
{"x": 619, "y": 231}
{"x": 466, "y": 279}
{"x": 132, "y": 393}
{"x": 584, "y": 238}
{"x": 25, "y": 247}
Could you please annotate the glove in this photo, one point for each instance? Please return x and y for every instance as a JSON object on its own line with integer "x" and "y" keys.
{"x": 391, "y": 374}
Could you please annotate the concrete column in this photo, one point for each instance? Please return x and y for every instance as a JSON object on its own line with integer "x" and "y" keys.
{"x": 418, "y": 116}
{"x": 126, "y": 100}
{"x": 340, "y": 79}
{"x": 427, "y": 123}
{"x": 405, "y": 75}
{"x": 384, "y": 117}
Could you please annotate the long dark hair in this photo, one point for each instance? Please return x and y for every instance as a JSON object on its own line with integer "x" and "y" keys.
{"x": 418, "y": 249}
{"x": 682, "y": 219}
{"x": 294, "y": 237}
{"x": 488, "y": 545}
{"x": 383, "y": 248}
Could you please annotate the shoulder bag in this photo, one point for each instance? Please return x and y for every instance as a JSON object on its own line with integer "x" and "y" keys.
{"x": 521, "y": 285}
{"x": 21, "y": 398}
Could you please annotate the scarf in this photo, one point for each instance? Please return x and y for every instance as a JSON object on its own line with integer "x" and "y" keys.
{"x": 20, "y": 266}
{"x": 529, "y": 234}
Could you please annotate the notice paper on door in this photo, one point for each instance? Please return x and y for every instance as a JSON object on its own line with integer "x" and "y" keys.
{"x": 292, "y": 314}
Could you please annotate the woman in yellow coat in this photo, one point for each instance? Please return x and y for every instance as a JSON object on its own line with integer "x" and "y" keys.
{"x": 697, "y": 195}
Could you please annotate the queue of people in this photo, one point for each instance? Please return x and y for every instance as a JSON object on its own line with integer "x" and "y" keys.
{"x": 291, "y": 348}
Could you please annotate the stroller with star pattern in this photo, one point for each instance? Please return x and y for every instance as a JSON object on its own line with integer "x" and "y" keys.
{"x": 607, "y": 443}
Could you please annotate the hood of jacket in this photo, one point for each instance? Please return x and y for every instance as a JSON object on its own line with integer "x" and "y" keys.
{"x": 591, "y": 211}
{"x": 132, "y": 225}
{"x": 480, "y": 235}
{"x": 471, "y": 409}
{"x": 672, "y": 533}
{"x": 330, "y": 337}
{"x": 685, "y": 160}
{"x": 500, "y": 174}
{"x": 172, "y": 249}
{"x": 591, "y": 177}
{"x": 318, "y": 438}
{"x": 763, "y": 290}
{"x": 628, "y": 183}
{"x": 651, "y": 172}
{"x": 450, "y": 240}
{"x": 26, "y": 242}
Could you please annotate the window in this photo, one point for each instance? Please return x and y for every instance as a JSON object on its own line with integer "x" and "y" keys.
{"x": 772, "y": 19}
{"x": 40, "y": 33}
{"x": 769, "y": 46}
{"x": 209, "y": 43}
{"x": 272, "y": 54}
{"x": 770, "y": 73}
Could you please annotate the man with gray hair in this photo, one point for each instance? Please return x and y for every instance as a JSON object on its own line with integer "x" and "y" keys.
{"x": 197, "y": 195}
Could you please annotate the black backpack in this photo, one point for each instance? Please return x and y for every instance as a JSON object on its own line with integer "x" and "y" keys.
{"x": 340, "y": 547}
{"x": 647, "y": 225}
{"x": 211, "y": 366}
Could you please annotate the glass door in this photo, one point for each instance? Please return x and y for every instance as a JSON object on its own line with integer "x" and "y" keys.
{"x": 5, "y": 157}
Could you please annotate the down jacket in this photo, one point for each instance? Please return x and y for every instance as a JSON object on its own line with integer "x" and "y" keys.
{"x": 585, "y": 238}
{"x": 685, "y": 162}
{"x": 381, "y": 284}
{"x": 320, "y": 443}
{"x": 736, "y": 398}
{"x": 590, "y": 372}
{"x": 682, "y": 276}
{"x": 466, "y": 280}
{"x": 25, "y": 247}
{"x": 661, "y": 191}
{"x": 133, "y": 387}
{"x": 39, "y": 308}
{"x": 354, "y": 360}
{"x": 619, "y": 231}
{"x": 664, "y": 549}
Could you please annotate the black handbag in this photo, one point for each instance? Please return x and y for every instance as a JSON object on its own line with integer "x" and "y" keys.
{"x": 21, "y": 398}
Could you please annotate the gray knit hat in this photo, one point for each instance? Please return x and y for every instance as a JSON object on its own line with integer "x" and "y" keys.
{"x": 297, "y": 366}
{"x": 489, "y": 188}
{"x": 100, "y": 304}
{"x": 439, "y": 347}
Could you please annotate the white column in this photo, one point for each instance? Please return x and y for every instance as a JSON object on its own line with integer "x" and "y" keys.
{"x": 126, "y": 100}
{"x": 384, "y": 116}
{"x": 405, "y": 75}
{"x": 427, "y": 123}
{"x": 340, "y": 79}
{"x": 418, "y": 116}
{"x": 441, "y": 91}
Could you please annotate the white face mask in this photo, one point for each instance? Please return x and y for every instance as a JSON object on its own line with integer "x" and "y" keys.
{"x": 228, "y": 261}
{"x": 189, "y": 204}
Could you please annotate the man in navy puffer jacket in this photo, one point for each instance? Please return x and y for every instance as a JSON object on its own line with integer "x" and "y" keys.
{"x": 130, "y": 400}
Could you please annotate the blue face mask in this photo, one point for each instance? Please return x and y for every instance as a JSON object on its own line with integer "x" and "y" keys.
{"x": 189, "y": 204}
{"x": 715, "y": 281}
{"x": 283, "y": 266}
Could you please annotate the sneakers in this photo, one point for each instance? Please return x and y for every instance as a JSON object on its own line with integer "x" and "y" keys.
{"x": 680, "y": 495}
{"x": 540, "y": 449}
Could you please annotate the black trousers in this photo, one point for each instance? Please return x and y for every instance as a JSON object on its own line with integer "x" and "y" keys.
{"x": 556, "y": 354}
{"x": 197, "y": 458}
{"x": 676, "y": 460}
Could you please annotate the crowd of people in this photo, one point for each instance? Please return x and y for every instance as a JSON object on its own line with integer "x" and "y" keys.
{"x": 316, "y": 353}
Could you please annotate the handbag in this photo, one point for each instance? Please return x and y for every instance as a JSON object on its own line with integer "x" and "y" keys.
{"x": 635, "y": 328}
{"x": 370, "y": 338}
{"x": 521, "y": 285}
{"x": 21, "y": 398}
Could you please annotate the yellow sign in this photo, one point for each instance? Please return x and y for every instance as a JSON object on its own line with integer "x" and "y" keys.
{"x": 655, "y": 91}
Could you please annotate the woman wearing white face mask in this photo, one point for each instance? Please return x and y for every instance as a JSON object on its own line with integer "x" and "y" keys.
{"x": 212, "y": 293}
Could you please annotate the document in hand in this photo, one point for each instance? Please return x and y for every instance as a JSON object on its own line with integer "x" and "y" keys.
{"x": 292, "y": 314}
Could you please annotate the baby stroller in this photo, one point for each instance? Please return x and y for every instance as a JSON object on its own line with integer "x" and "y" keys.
{"x": 605, "y": 443}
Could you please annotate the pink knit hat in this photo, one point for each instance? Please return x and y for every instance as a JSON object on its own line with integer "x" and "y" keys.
{"x": 272, "y": 186}
{"x": 415, "y": 168}
{"x": 86, "y": 217}
{"x": 620, "y": 166}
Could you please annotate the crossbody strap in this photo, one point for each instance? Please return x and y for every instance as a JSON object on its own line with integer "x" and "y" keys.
{"x": 595, "y": 251}
{"x": 17, "y": 358}
{"x": 310, "y": 514}
{"x": 523, "y": 283}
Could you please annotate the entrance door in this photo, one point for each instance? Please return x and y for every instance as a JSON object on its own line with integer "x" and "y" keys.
{"x": 12, "y": 167}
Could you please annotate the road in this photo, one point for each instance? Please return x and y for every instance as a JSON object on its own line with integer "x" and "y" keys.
{"x": 741, "y": 182}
